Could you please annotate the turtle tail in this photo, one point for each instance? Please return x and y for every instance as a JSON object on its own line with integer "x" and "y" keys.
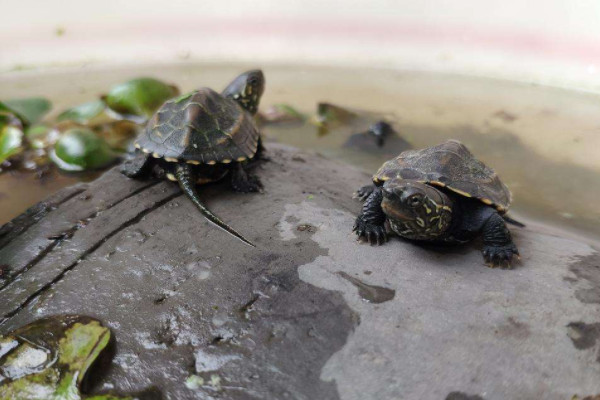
{"x": 187, "y": 183}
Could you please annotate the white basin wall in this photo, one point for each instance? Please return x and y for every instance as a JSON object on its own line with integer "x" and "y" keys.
{"x": 550, "y": 42}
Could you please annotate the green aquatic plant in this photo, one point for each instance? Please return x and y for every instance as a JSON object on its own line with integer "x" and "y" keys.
{"x": 330, "y": 116}
{"x": 86, "y": 113}
{"x": 49, "y": 359}
{"x": 87, "y": 136}
{"x": 7, "y": 117}
{"x": 40, "y": 136}
{"x": 140, "y": 97}
{"x": 80, "y": 149}
{"x": 15, "y": 117}
{"x": 118, "y": 135}
{"x": 11, "y": 142}
{"x": 29, "y": 111}
{"x": 281, "y": 114}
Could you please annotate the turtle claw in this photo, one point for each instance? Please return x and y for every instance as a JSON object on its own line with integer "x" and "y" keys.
{"x": 500, "y": 256}
{"x": 373, "y": 234}
{"x": 363, "y": 193}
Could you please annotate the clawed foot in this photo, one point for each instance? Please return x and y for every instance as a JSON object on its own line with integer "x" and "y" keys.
{"x": 500, "y": 256}
{"x": 374, "y": 234}
{"x": 364, "y": 192}
{"x": 250, "y": 185}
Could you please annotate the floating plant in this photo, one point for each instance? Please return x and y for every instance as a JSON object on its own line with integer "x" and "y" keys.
{"x": 49, "y": 359}
{"x": 80, "y": 149}
{"x": 139, "y": 97}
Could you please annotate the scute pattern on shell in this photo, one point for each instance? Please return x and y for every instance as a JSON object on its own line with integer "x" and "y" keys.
{"x": 203, "y": 127}
{"x": 450, "y": 165}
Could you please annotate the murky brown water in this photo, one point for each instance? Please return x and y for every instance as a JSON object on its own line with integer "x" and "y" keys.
{"x": 543, "y": 142}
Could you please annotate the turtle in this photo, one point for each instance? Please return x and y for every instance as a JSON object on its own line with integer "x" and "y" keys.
{"x": 380, "y": 131}
{"x": 439, "y": 194}
{"x": 201, "y": 137}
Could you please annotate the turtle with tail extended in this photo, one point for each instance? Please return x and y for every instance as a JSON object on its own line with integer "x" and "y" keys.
{"x": 201, "y": 137}
{"x": 439, "y": 194}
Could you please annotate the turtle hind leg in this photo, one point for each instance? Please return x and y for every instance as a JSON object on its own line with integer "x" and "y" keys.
{"x": 137, "y": 167}
{"x": 260, "y": 151}
{"x": 186, "y": 178}
{"x": 243, "y": 182}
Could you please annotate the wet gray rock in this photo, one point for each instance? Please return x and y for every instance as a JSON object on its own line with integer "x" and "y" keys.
{"x": 310, "y": 313}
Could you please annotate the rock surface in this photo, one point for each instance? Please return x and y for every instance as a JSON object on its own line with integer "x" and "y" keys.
{"x": 310, "y": 313}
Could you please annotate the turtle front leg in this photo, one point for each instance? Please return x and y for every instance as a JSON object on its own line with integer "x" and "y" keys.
{"x": 243, "y": 182}
{"x": 137, "y": 167}
{"x": 498, "y": 247}
{"x": 370, "y": 223}
{"x": 364, "y": 192}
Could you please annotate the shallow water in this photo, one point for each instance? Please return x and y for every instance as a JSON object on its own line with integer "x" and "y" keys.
{"x": 542, "y": 141}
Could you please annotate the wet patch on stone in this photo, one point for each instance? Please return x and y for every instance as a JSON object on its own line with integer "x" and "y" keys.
{"x": 514, "y": 328}
{"x": 370, "y": 293}
{"x": 447, "y": 300}
{"x": 587, "y": 278}
{"x": 585, "y": 336}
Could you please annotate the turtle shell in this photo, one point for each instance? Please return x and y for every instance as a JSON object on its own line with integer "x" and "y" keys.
{"x": 450, "y": 165}
{"x": 201, "y": 127}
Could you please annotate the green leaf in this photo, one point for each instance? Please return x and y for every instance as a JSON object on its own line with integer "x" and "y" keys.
{"x": 289, "y": 110}
{"x": 11, "y": 142}
{"x": 330, "y": 116}
{"x": 81, "y": 345}
{"x": 83, "y": 113}
{"x": 29, "y": 111}
{"x": 79, "y": 149}
{"x": 328, "y": 113}
{"x": 8, "y": 118}
{"x": 141, "y": 97}
{"x": 49, "y": 358}
{"x": 38, "y": 136}
{"x": 118, "y": 134}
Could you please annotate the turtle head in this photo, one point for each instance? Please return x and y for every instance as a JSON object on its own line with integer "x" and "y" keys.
{"x": 247, "y": 89}
{"x": 418, "y": 207}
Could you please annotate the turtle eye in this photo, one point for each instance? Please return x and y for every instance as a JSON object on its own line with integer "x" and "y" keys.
{"x": 414, "y": 201}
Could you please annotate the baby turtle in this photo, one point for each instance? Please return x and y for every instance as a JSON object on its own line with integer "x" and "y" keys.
{"x": 202, "y": 136}
{"x": 439, "y": 194}
{"x": 380, "y": 131}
